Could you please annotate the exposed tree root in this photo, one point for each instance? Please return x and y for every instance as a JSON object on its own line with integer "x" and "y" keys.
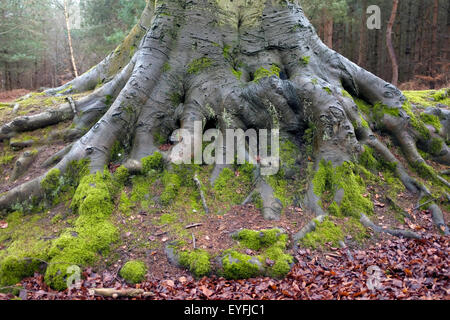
{"x": 23, "y": 163}
{"x": 310, "y": 227}
{"x": 202, "y": 195}
{"x": 397, "y": 233}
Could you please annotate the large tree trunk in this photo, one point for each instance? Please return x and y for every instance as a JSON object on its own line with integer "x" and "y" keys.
{"x": 210, "y": 55}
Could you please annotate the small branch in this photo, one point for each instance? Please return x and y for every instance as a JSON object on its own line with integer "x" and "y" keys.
{"x": 195, "y": 225}
{"x": 396, "y": 233}
{"x": 199, "y": 187}
{"x": 444, "y": 181}
{"x": 193, "y": 241}
{"x": 72, "y": 104}
{"x": 424, "y": 204}
{"x": 114, "y": 293}
{"x": 347, "y": 251}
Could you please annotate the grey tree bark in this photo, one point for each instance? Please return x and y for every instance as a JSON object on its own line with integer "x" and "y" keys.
{"x": 209, "y": 55}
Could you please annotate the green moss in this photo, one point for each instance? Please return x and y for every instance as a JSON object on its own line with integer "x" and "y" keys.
{"x": 271, "y": 259}
{"x": 441, "y": 95}
{"x": 346, "y": 94}
{"x": 367, "y": 159}
{"x": 379, "y": 110}
{"x": 356, "y": 230}
{"x": 141, "y": 188}
{"x": 329, "y": 180}
{"x": 264, "y": 73}
{"x": 427, "y": 98}
{"x": 133, "y": 271}
{"x": 436, "y": 146}
{"x": 393, "y": 183}
{"x": 13, "y": 269}
{"x": 175, "y": 98}
{"x": 93, "y": 233}
{"x": 231, "y": 188}
{"x": 51, "y": 182}
{"x": 153, "y": 162}
{"x": 6, "y": 158}
{"x": 417, "y": 123}
{"x": 24, "y": 251}
{"x": 121, "y": 175}
{"x": 237, "y": 73}
{"x": 305, "y": 60}
{"x": 325, "y": 232}
{"x": 431, "y": 120}
{"x": 237, "y": 265}
{"x": 328, "y": 90}
{"x": 197, "y": 261}
{"x": 363, "y": 106}
{"x": 117, "y": 152}
{"x": 124, "y": 203}
{"x": 167, "y": 218}
{"x": 364, "y": 123}
{"x": 166, "y": 67}
{"x": 424, "y": 170}
{"x": 199, "y": 65}
{"x": 256, "y": 240}
{"x": 172, "y": 183}
{"x": 257, "y": 200}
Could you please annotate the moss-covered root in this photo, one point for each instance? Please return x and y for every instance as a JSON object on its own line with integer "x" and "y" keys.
{"x": 23, "y": 163}
{"x": 133, "y": 271}
{"x": 271, "y": 206}
{"x": 270, "y": 258}
{"x": 309, "y": 227}
{"x": 92, "y": 234}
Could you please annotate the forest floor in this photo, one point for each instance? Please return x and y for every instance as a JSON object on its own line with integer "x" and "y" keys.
{"x": 411, "y": 269}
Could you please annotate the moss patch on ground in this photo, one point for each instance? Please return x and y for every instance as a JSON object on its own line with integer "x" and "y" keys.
{"x": 197, "y": 261}
{"x": 26, "y": 243}
{"x": 428, "y": 98}
{"x": 133, "y": 271}
{"x": 270, "y": 255}
{"x": 325, "y": 232}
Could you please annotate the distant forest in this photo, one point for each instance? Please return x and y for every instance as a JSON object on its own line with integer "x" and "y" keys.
{"x": 35, "y": 51}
